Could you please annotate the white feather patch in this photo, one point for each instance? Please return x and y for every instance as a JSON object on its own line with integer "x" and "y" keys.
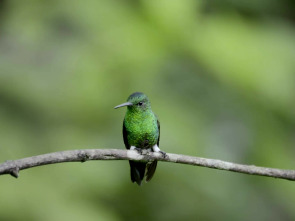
{"x": 156, "y": 148}
{"x": 132, "y": 147}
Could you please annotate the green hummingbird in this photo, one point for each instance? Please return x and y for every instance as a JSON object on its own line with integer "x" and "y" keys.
{"x": 141, "y": 130}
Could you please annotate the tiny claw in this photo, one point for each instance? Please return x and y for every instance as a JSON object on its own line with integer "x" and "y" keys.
{"x": 139, "y": 150}
{"x": 163, "y": 153}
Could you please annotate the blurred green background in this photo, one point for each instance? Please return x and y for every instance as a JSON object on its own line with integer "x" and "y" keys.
{"x": 220, "y": 76}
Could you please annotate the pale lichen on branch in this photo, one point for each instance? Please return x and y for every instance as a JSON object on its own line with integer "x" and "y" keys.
{"x": 13, "y": 167}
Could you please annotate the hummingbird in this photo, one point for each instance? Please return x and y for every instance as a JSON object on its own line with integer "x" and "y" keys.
{"x": 141, "y": 130}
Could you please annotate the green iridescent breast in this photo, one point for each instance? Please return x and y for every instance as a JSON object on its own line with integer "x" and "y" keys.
{"x": 142, "y": 129}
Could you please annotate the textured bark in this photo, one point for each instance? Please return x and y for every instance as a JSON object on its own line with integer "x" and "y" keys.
{"x": 13, "y": 167}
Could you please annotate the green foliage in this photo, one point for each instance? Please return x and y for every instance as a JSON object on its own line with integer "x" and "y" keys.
{"x": 219, "y": 74}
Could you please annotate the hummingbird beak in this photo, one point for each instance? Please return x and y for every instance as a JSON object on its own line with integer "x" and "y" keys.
{"x": 124, "y": 104}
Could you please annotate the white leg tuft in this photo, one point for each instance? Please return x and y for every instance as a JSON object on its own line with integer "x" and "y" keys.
{"x": 156, "y": 148}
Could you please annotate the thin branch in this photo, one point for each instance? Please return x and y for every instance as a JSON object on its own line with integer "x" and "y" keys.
{"x": 14, "y": 166}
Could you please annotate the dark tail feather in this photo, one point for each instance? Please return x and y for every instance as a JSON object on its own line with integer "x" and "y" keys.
{"x": 137, "y": 170}
{"x": 151, "y": 168}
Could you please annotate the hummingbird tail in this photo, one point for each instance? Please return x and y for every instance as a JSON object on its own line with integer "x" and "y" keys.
{"x": 151, "y": 168}
{"x": 137, "y": 170}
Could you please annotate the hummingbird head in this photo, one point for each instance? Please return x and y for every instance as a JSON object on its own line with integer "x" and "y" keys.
{"x": 136, "y": 102}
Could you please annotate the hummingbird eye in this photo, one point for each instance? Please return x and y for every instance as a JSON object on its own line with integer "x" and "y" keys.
{"x": 140, "y": 103}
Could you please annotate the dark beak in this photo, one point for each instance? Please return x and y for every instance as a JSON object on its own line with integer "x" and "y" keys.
{"x": 124, "y": 104}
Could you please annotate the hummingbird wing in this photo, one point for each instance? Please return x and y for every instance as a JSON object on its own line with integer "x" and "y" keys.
{"x": 151, "y": 167}
{"x": 158, "y": 123}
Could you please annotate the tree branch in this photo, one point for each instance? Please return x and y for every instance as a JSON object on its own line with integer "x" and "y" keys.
{"x": 14, "y": 166}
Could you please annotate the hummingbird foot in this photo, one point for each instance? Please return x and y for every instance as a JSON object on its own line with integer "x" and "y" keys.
{"x": 163, "y": 153}
{"x": 139, "y": 150}
{"x": 157, "y": 149}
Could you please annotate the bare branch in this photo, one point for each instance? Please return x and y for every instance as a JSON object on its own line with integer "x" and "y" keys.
{"x": 14, "y": 166}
